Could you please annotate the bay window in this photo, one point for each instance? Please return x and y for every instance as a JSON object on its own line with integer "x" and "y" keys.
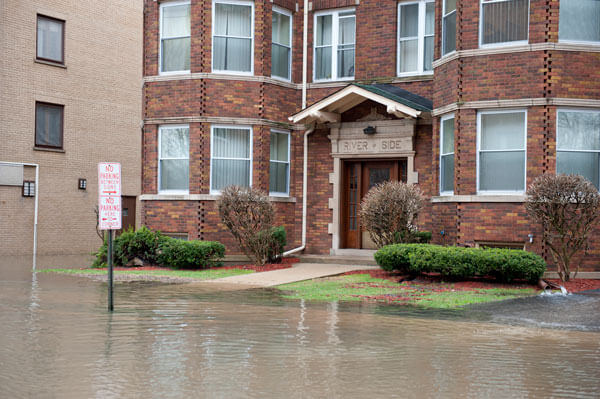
{"x": 233, "y": 36}
{"x": 504, "y": 21}
{"x": 579, "y": 21}
{"x": 173, "y": 158}
{"x": 279, "y": 167}
{"x": 175, "y": 37}
{"x": 447, "y": 155}
{"x": 448, "y": 26}
{"x": 501, "y": 137}
{"x": 578, "y": 144}
{"x": 281, "y": 44}
{"x": 231, "y": 157}
{"x": 335, "y": 37}
{"x": 415, "y": 37}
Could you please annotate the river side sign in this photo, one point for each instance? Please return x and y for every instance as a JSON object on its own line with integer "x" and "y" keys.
{"x": 109, "y": 196}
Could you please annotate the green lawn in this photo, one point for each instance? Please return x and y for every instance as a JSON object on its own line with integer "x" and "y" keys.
{"x": 207, "y": 274}
{"x": 358, "y": 287}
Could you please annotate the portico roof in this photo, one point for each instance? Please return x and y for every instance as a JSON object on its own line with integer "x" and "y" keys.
{"x": 399, "y": 102}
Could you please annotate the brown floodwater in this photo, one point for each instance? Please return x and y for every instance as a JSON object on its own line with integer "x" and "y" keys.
{"x": 188, "y": 341}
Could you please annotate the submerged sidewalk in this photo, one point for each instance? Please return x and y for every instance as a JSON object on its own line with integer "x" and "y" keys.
{"x": 298, "y": 272}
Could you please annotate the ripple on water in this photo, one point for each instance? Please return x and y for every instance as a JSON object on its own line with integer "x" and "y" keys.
{"x": 179, "y": 341}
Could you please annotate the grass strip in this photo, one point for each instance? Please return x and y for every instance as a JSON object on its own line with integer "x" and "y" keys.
{"x": 358, "y": 287}
{"x": 208, "y": 274}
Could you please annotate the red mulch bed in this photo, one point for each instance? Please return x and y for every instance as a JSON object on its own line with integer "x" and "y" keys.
{"x": 285, "y": 264}
{"x": 575, "y": 285}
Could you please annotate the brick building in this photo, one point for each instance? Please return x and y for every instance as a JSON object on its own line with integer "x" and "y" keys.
{"x": 70, "y": 82}
{"x": 471, "y": 100}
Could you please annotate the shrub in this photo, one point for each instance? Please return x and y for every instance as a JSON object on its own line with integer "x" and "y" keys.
{"x": 389, "y": 211}
{"x": 458, "y": 262}
{"x": 182, "y": 254}
{"x": 279, "y": 241}
{"x": 142, "y": 243}
{"x": 566, "y": 206}
{"x": 249, "y": 215}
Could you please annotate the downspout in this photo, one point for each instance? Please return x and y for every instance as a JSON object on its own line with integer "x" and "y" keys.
{"x": 304, "y": 193}
{"x": 309, "y": 131}
{"x": 35, "y": 212}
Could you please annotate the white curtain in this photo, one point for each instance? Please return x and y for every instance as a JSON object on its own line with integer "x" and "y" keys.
{"x": 49, "y": 39}
{"x": 429, "y": 34}
{"x": 323, "y": 50}
{"x": 505, "y": 21}
{"x": 579, "y": 20}
{"x": 281, "y": 46}
{"x": 409, "y": 37}
{"x": 279, "y": 166}
{"x": 231, "y": 158}
{"x": 175, "y": 38}
{"x": 346, "y": 46}
{"x": 447, "y": 158}
{"x": 233, "y": 38}
{"x": 174, "y": 158}
{"x": 48, "y": 122}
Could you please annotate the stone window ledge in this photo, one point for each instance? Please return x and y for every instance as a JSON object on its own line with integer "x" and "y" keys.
{"x": 478, "y": 198}
{"x": 200, "y": 197}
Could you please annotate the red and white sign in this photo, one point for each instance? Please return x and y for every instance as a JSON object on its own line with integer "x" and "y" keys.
{"x": 109, "y": 196}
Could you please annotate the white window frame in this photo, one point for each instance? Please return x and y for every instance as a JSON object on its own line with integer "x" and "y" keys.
{"x": 444, "y": 15}
{"x": 503, "y": 44}
{"x": 290, "y": 58}
{"x": 442, "y": 154}
{"x": 212, "y": 57}
{"x": 588, "y": 42}
{"x": 504, "y": 111}
{"x": 559, "y": 110}
{"x": 420, "y": 39}
{"x": 160, "y": 36}
{"x": 335, "y": 30}
{"x": 160, "y": 129}
{"x": 289, "y": 163}
{"x": 212, "y": 147}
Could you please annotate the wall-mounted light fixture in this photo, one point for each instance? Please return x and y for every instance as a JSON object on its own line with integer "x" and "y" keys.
{"x": 28, "y": 189}
{"x": 82, "y": 184}
{"x": 369, "y": 130}
{"x": 530, "y": 236}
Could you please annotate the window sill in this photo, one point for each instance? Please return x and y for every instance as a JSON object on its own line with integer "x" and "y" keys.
{"x": 48, "y": 149}
{"x": 329, "y": 83}
{"x": 413, "y": 78}
{"x": 200, "y": 197}
{"x": 51, "y": 63}
{"x": 517, "y": 198}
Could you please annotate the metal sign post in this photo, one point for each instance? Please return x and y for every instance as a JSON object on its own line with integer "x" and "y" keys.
{"x": 109, "y": 212}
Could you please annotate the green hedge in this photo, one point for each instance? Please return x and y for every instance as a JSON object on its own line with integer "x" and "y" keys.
{"x": 153, "y": 248}
{"x": 458, "y": 262}
{"x": 190, "y": 254}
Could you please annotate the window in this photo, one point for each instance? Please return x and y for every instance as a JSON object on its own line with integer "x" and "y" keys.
{"x": 579, "y": 21}
{"x": 231, "y": 157}
{"x": 448, "y": 26}
{"x": 49, "y": 125}
{"x": 173, "y": 163}
{"x": 50, "y": 39}
{"x": 281, "y": 47}
{"x": 415, "y": 37}
{"x": 504, "y": 21}
{"x": 233, "y": 36}
{"x": 578, "y": 144}
{"x": 175, "y": 37}
{"x": 447, "y": 155}
{"x": 28, "y": 189}
{"x": 279, "y": 168}
{"x": 334, "y": 45}
{"x": 501, "y": 156}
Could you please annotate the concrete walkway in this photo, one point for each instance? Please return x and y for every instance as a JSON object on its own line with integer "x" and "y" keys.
{"x": 298, "y": 272}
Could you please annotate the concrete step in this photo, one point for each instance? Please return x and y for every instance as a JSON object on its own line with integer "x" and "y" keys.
{"x": 361, "y": 260}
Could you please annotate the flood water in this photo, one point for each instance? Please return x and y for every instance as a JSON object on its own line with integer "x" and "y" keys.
{"x": 188, "y": 341}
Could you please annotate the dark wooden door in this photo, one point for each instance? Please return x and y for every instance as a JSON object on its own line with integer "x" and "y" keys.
{"x": 127, "y": 212}
{"x": 358, "y": 179}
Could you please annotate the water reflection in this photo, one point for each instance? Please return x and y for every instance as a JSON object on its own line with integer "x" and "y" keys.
{"x": 174, "y": 341}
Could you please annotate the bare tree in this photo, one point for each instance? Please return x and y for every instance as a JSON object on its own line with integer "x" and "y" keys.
{"x": 566, "y": 206}
{"x": 389, "y": 211}
{"x": 98, "y": 231}
{"x": 249, "y": 216}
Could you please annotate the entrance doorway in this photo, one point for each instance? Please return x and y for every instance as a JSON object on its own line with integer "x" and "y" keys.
{"x": 358, "y": 178}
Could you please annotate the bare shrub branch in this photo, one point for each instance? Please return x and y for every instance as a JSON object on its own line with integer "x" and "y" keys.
{"x": 249, "y": 216}
{"x": 389, "y": 210}
{"x": 566, "y": 206}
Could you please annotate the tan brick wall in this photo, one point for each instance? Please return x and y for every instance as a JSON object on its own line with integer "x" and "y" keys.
{"x": 101, "y": 92}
